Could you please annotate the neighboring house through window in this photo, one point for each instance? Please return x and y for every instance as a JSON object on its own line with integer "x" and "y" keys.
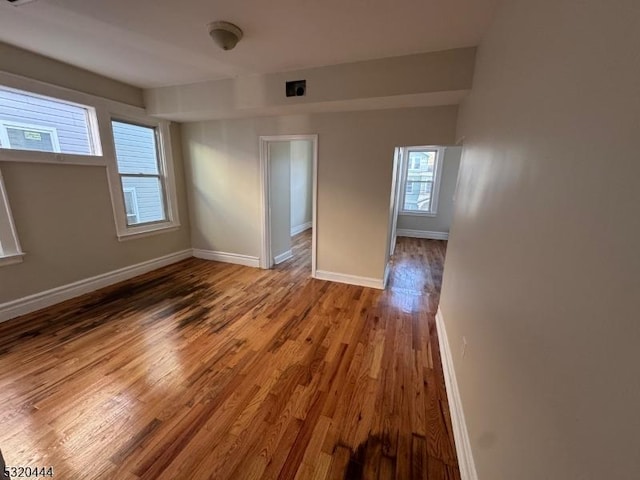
{"x": 421, "y": 180}
{"x": 43, "y": 124}
{"x": 80, "y": 129}
{"x": 24, "y": 136}
{"x": 131, "y": 205}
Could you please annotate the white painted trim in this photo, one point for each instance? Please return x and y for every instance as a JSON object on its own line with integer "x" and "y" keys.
{"x": 47, "y": 298}
{"x": 227, "y": 257}
{"x": 265, "y": 250}
{"x": 301, "y": 228}
{"x": 394, "y": 206}
{"x": 403, "y": 232}
{"x": 460, "y": 433}
{"x": 387, "y": 272}
{"x": 10, "y": 248}
{"x": 283, "y": 257}
{"x": 350, "y": 279}
{"x": 165, "y": 166}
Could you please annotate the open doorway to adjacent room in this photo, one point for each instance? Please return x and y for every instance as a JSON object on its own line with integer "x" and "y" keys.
{"x": 289, "y": 165}
{"x": 422, "y": 196}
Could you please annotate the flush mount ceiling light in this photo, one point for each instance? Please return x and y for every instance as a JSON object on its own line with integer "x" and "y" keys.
{"x": 226, "y": 35}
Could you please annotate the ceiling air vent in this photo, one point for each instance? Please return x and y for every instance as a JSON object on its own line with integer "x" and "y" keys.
{"x": 18, "y": 2}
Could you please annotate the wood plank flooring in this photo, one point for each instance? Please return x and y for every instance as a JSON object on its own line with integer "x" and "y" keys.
{"x": 205, "y": 370}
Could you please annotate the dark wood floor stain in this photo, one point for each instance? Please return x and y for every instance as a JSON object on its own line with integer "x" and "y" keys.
{"x": 204, "y": 370}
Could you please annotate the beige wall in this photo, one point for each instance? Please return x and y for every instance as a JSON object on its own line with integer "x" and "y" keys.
{"x": 65, "y": 223}
{"x": 301, "y": 182}
{"x": 354, "y": 179}
{"x": 425, "y": 79}
{"x": 543, "y": 264}
{"x": 280, "y": 197}
{"x": 441, "y": 222}
{"x": 63, "y": 213}
{"x": 31, "y": 65}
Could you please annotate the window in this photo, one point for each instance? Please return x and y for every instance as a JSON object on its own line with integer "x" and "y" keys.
{"x": 55, "y": 125}
{"x": 43, "y": 124}
{"x": 144, "y": 178}
{"x": 421, "y": 180}
{"x": 10, "y": 251}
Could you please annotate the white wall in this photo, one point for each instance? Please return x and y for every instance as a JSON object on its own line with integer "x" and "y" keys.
{"x": 301, "y": 184}
{"x": 543, "y": 263}
{"x": 441, "y": 222}
{"x": 354, "y": 179}
{"x": 280, "y": 196}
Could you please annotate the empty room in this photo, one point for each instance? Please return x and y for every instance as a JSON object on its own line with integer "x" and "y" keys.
{"x": 319, "y": 240}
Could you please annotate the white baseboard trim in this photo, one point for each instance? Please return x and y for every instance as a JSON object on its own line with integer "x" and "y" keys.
{"x": 37, "y": 301}
{"x": 387, "y": 271}
{"x": 225, "y": 257}
{"x": 460, "y": 433}
{"x": 283, "y": 257}
{"x": 350, "y": 279}
{"x": 300, "y": 228}
{"x": 403, "y": 232}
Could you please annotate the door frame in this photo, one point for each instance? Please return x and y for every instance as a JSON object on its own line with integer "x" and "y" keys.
{"x": 266, "y": 260}
{"x": 396, "y": 180}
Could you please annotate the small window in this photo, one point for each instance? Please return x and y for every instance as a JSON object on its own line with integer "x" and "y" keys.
{"x": 10, "y": 251}
{"x": 141, "y": 173}
{"x": 421, "y": 179}
{"x": 37, "y": 123}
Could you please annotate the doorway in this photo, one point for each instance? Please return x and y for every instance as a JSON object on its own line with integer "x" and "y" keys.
{"x": 288, "y": 179}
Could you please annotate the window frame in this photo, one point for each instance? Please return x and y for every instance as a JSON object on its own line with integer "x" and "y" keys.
{"x": 12, "y": 253}
{"x": 437, "y": 177}
{"x": 43, "y": 90}
{"x": 167, "y": 178}
{"x": 100, "y": 112}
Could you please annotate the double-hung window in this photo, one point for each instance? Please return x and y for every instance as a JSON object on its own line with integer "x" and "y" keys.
{"x": 421, "y": 180}
{"x": 146, "y": 202}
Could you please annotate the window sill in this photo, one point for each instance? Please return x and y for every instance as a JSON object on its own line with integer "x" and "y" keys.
{"x": 148, "y": 231}
{"x": 419, "y": 214}
{"x": 11, "y": 259}
{"x": 33, "y": 156}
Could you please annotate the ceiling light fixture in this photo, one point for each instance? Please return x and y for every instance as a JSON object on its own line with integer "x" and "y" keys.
{"x": 226, "y": 35}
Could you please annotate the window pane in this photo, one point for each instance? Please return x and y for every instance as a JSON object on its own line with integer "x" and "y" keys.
{"x": 30, "y": 122}
{"x": 135, "y": 148}
{"x": 420, "y": 176}
{"x": 147, "y": 204}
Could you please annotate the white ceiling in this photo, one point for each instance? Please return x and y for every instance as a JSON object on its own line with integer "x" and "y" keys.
{"x": 151, "y": 43}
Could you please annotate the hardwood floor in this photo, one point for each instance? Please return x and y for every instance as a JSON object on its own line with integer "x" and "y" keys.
{"x": 209, "y": 370}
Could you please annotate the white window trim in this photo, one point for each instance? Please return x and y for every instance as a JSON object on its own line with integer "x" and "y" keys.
{"x": 91, "y": 103}
{"x": 10, "y": 249}
{"x": 437, "y": 177}
{"x": 165, "y": 159}
{"x": 100, "y": 113}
